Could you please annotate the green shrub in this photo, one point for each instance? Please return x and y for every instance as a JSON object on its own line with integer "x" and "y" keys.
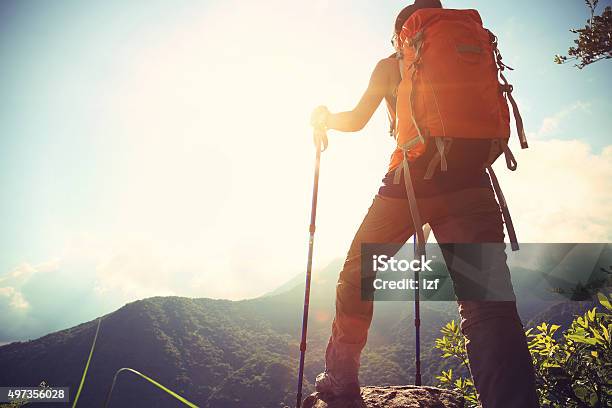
{"x": 573, "y": 368}
{"x": 14, "y": 404}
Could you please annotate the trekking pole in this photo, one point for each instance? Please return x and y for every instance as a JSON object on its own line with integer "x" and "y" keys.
{"x": 319, "y": 137}
{"x": 417, "y": 307}
{"x": 417, "y": 320}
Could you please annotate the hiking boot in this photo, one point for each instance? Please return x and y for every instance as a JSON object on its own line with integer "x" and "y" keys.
{"x": 326, "y": 383}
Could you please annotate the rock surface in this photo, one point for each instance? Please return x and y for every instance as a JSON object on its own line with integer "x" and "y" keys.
{"x": 405, "y": 396}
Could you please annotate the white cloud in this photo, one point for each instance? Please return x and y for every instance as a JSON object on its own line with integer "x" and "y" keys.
{"x": 21, "y": 272}
{"x": 561, "y": 192}
{"x": 25, "y": 270}
{"x": 550, "y": 124}
{"x": 321, "y": 5}
{"x": 136, "y": 272}
{"x": 14, "y": 298}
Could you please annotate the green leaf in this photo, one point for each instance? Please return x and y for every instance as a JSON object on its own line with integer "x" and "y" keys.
{"x": 554, "y": 328}
{"x": 581, "y": 339}
{"x": 158, "y": 385}
{"x": 593, "y": 400}
{"x": 605, "y": 302}
{"x": 591, "y": 314}
{"x": 91, "y": 351}
{"x": 581, "y": 391}
{"x": 597, "y": 336}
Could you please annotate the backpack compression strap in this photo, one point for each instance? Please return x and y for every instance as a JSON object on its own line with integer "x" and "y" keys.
{"x": 412, "y": 202}
{"x": 506, "y": 88}
{"x": 443, "y": 145}
{"x": 504, "y": 209}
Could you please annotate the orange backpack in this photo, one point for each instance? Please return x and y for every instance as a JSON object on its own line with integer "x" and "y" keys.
{"x": 450, "y": 90}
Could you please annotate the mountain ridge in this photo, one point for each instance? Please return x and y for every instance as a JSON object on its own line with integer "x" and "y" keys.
{"x": 222, "y": 353}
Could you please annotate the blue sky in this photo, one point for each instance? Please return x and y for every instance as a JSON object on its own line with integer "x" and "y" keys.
{"x": 163, "y": 147}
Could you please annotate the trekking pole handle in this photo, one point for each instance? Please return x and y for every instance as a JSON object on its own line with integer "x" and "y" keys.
{"x": 320, "y": 138}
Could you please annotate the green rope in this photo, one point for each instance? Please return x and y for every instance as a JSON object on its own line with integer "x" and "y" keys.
{"x": 93, "y": 346}
{"x": 152, "y": 381}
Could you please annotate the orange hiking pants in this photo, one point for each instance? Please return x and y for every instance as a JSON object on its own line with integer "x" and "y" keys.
{"x": 499, "y": 360}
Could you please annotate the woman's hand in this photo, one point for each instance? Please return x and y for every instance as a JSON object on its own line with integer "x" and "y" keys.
{"x": 319, "y": 118}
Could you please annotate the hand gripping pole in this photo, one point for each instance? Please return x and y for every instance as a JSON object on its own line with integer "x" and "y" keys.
{"x": 313, "y": 215}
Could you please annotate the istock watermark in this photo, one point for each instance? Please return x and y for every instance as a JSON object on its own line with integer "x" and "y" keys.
{"x": 390, "y": 272}
{"x": 486, "y": 272}
{"x": 408, "y": 283}
{"x": 384, "y": 263}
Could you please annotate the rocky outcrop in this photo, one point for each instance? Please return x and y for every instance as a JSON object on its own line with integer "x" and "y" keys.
{"x": 406, "y": 396}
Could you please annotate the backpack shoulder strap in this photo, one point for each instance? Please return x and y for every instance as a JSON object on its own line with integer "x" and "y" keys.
{"x": 507, "y": 89}
{"x": 392, "y": 110}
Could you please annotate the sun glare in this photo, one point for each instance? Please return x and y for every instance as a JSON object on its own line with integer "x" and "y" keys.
{"x": 212, "y": 132}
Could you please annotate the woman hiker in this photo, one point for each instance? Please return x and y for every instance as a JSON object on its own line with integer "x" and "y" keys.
{"x": 460, "y": 206}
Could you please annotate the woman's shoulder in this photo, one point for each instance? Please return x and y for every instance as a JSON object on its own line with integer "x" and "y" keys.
{"x": 392, "y": 57}
{"x": 388, "y": 64}
{"x": 388, "y": 68}
{"x": 390, "y": 60}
